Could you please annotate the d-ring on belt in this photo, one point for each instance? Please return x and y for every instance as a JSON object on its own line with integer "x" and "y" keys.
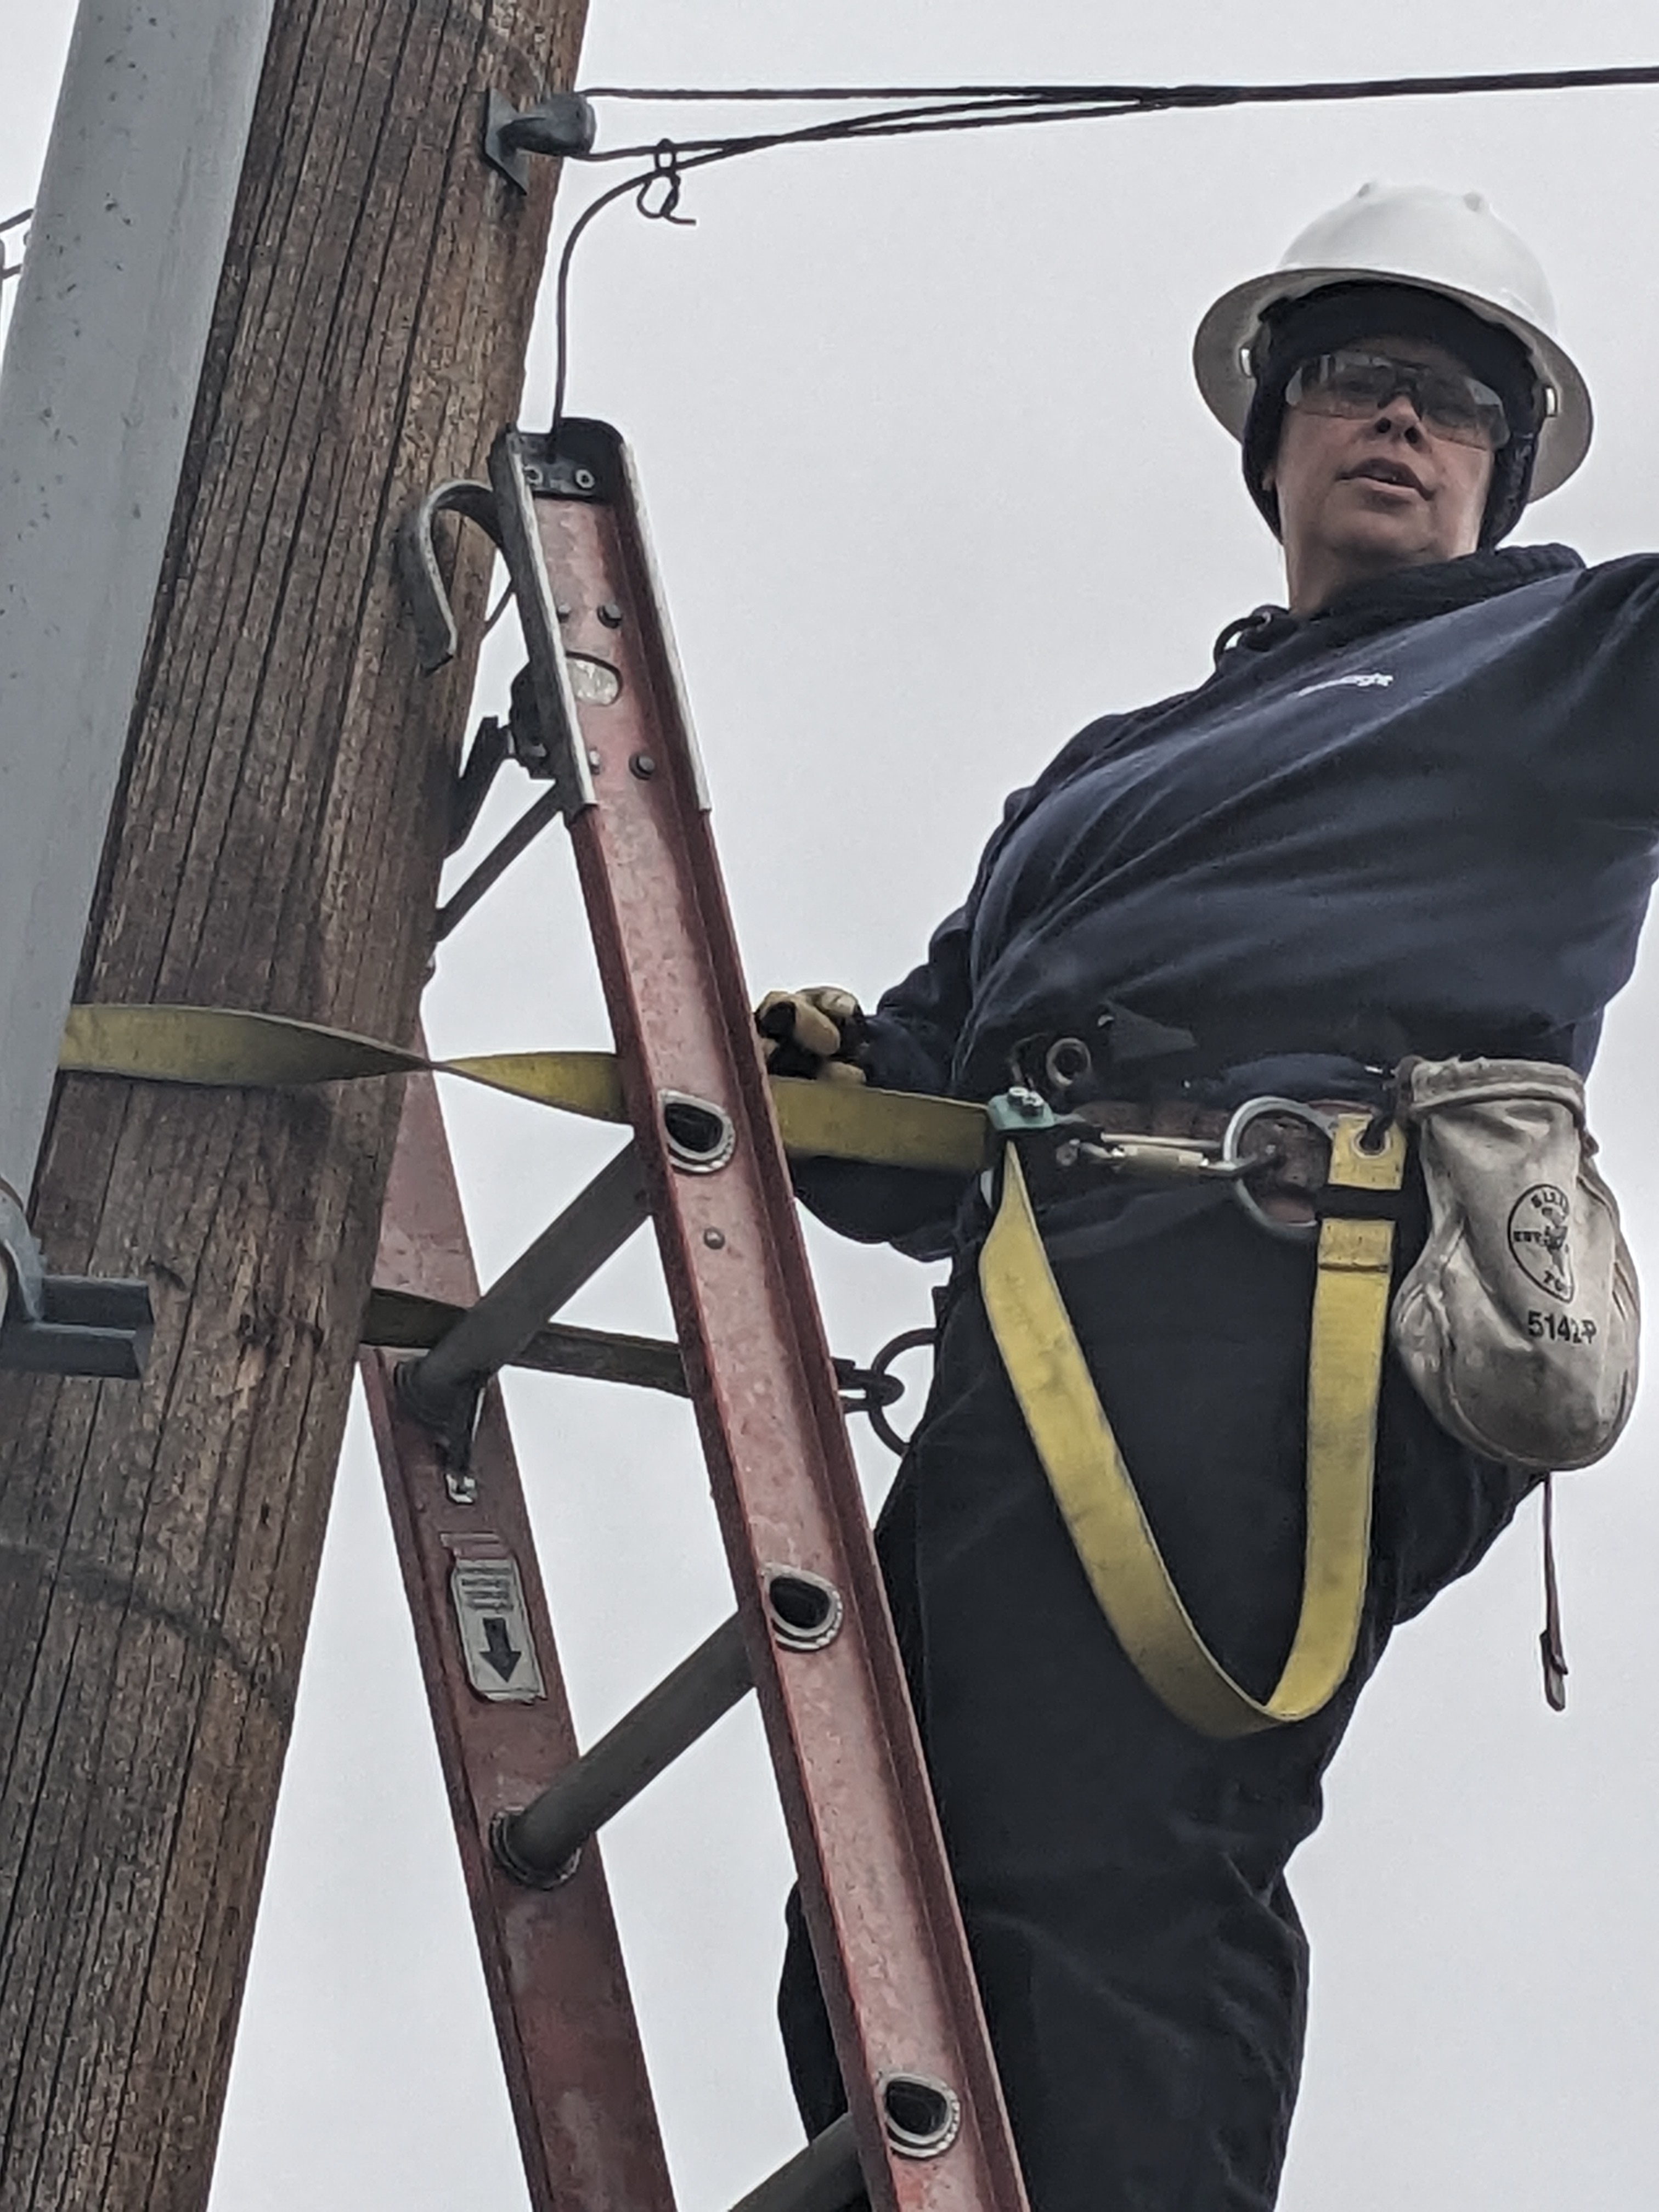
{"x": 1093, "y": 1488}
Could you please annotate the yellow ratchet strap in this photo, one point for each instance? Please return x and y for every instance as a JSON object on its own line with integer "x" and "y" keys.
{"x": 220, "y": 1046}
{"x": 1094, "y": 1492}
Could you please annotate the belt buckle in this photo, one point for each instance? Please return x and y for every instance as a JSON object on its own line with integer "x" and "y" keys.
{"x": 1235, "y": 1157}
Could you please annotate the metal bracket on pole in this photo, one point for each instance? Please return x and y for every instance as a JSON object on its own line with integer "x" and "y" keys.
{"x": 65, "y": 1324}
{"x": 562, "y": 125}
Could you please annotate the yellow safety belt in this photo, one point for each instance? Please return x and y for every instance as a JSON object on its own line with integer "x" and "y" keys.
{"x": 1092, "y": 1485}
{"x": 1045, "y": 1364}
{"x": 218, "y": 1046}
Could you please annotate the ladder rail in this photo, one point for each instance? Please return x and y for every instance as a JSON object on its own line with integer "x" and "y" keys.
{"x": 553, "y": 1968}
{"x": 927, "y": 2130}
{"x": 875, "y": 1884}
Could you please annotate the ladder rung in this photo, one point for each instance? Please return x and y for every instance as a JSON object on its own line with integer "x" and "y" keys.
{"x": 403, "y": 1320}
{"x": 539, "y": 1845}
{"x": 823, "y": 2178}
{"x": 921, "y": 2118}
{"x": 440, "y": 1389}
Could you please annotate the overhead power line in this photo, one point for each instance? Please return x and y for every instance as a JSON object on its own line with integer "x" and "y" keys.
{"x": 911, "y": 111}
{"x": 968, "y": 108}
{"x": 1203, "y": 95}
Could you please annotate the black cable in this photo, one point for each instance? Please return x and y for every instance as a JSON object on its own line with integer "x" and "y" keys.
{"x": 1186, "y": 95}
{"x": 890, "y": 123}
{"x": 974, "y": 106}
{"x": 980, "y": 107}
{"x": 800, "y": 93}
{"x": 670, "y": 161}
{"x": 637, "y": 185}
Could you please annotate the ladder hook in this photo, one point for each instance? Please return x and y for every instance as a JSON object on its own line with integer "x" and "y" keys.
{"x": 425, "y": 593}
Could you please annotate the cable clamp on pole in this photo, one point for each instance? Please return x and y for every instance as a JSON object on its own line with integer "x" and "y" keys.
{"x": 563, "y": 125}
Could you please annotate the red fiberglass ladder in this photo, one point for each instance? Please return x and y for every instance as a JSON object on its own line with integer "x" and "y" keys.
{"x": 926, "y": 2130}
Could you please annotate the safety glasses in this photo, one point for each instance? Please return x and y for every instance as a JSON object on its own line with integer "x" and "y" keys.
{"x": 1450, "y": 402}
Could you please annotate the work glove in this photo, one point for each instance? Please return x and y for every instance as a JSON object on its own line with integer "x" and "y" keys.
{"x": 820, "y": 1033}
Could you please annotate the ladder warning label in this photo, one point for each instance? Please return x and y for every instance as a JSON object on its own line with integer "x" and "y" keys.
{"x": 495, "y": 1639}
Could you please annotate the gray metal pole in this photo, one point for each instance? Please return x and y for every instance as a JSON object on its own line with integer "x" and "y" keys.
{"x": 101, "y": 364}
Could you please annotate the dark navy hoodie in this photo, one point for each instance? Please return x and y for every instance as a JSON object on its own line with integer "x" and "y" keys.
{"x": 1424, "y": 819}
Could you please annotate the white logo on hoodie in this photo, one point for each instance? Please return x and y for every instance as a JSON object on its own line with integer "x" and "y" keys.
{"x": 1372, "y": 682}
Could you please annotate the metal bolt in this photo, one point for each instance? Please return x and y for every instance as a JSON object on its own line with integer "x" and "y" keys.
{"x": 643, "y": 767}
{"x": 714, "y": 1239}
{"x": 563, "y": 609}
{"x": 593, "y": 760}
{"x": 611, "y": 615}
{"x": 533, "y": 475}
{"x": 584, "y": 479}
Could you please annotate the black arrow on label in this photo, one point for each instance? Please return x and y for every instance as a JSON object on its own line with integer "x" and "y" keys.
{"x": 498, "y": 1650}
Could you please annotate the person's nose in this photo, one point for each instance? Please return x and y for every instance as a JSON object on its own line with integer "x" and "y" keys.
{"x": 1399, "y": 419}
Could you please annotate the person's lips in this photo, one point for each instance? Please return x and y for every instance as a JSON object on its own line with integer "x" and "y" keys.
{"x": 1376, "y": 470}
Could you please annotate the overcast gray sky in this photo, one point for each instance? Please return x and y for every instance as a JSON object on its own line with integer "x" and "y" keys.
{"x": 931, "y": 486}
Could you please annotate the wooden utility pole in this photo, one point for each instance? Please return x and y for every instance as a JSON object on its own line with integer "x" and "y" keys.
{"x": 276, "y": 844}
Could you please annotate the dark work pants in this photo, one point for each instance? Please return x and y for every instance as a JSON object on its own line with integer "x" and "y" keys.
{"x": 1122, "y": 1878}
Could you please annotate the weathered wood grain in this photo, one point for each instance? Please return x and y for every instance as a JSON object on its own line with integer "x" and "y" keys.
{"x": 276, "y": 845}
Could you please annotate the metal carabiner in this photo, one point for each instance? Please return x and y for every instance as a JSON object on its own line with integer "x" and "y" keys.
{"x": 1178, "y": 1158}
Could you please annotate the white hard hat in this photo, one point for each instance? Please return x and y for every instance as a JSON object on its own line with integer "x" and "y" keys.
{"x": 1446, "y": 242}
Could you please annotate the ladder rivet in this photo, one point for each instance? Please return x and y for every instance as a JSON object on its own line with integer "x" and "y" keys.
{"x": 563, "y": 609}
{"x": 584, "y": 479}
{"x": 643, "y": 766}
{"x": 593, "y": 760}
{"x": 713, "y": 1239}
{"x": 611, "y": 615}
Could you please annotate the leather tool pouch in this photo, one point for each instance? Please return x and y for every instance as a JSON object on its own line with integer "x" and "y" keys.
{"x": 1518, "y": 1323}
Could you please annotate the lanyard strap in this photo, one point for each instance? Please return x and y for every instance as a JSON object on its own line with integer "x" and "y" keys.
{"x": 1097, "y": 1496}
{"x": 216, "y": 1045}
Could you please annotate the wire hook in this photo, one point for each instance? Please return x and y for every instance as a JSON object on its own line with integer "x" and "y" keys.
{"x": 665, "y": 173}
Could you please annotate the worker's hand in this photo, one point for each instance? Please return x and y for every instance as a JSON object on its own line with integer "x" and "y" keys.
{"x": 819, "y": 1033}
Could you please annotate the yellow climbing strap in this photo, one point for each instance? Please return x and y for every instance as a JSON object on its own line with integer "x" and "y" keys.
{"x": 1094, "y": 1492}
{"x": 218, "y": 1046}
